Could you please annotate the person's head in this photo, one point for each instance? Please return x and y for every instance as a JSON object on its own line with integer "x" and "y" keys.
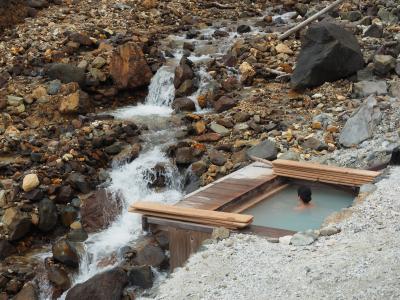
{"x": 304, "y": 193}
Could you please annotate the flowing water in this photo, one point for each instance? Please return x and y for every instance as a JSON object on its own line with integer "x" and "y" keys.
{"x": 131, "y": 181}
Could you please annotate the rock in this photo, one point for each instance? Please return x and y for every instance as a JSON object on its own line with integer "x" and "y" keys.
{"x": 199, "y": 127}
{"x": 265, "y": 150}
{"x": 220, "y": 233}
{"x": 186, "y": 88}
{"x": 208, "y": 137}
{"x": 65, "y": 194}
{"x": 315, "y": 144}
{"x": 217, "y": 158}
{"x": 374, "y": 30}
{"x": 28, "y": 292}
{"x": 14, "y": 100}
{"x": 387, "y": 16}
{"x": 99, "y": 210}
{"x": 141, "y": 276}
{"x": 329, "y": 53}
{"x": 65, "y": 253}
{"x": 184, "y": 156}
{"x": 6, "y": 249}
{"x": 18, "y": 223}
{"x": 40, "y": 94}
{"x": 54, "y": 87}
{"x": 219, "y": 129}
{"x": 19, "y": 228}
{"x": 77, "y": 102}
{"x": 183, "y": 104}
{"x": 352, "y": 16}
{"x": 224, "y": 103}
{"x": 302, "y": 239}
{"x": 150, "y": 4}
{"x": 383, "y": 64}
{"x": 198, "y": 167}
{"x": 290, "y": 155}
{"x": 394, "y": 90}
{"x": 113, "y": 149}
{"x": 47, "y": 215}
{"x": 243, "y": 28}
{"x": 329, "y": 230}
{"x": 79, "y": 182}
{"x": 183, "y": 72}
{"x": 247, "y": 72}
{"x": 285, "y": 240}
{"x": 149, "y": 254}
{"x": 67, "y": 73}
{"x": 77, "y": 235}
{"x": 104, "y": 286}
{"x": 129, "y": 68}
{"x": 366, "y": 88}
{"x": 98, "y": 62}
{"x": 68, "y": 215}
{"x": 38, "y": 3}
{"x": 361, "y": 124}
{"x": 30, "y": 182}
{"x": 282, "y": 48}
{"x": 58, "y": 277}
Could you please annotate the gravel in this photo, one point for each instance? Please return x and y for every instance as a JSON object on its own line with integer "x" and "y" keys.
{"x": 360, "y": 262}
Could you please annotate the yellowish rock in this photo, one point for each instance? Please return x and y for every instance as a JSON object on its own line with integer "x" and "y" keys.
{"x": 282, "y": 48}
{"x": 76, "y": 225}
{"x": 149, "y": 4}
{"x": 246, "y": 70}
{"x": 200, "y": 127}
{"x": 316, "y": 125}
{"x": 40, "y": 93}
{"x": 30, "y": 182}
{"x": 202, "y": 100}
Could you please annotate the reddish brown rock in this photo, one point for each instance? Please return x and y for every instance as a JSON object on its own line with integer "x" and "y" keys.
{"x": 99, "y": 210}
{"x": 129, "y": 68}
{"x": 208, "y": 137}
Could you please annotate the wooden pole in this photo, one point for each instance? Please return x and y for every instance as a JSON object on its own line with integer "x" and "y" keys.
{"x": 309, "y": 20}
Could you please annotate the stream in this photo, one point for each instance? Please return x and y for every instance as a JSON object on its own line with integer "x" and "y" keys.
{"x": 131, "y": 180}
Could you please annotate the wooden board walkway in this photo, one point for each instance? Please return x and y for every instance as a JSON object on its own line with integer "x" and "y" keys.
{"x": 235, "y": 186}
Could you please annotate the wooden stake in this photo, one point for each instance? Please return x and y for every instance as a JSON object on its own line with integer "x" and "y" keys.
{"x": 309, "y": 20}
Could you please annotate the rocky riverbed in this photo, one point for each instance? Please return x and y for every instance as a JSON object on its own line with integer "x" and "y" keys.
{"x": 73, "y": 155}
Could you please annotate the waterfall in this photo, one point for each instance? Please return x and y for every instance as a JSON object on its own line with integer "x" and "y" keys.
{"x": 161, "y": 88}
{"x": 130, "y": 182}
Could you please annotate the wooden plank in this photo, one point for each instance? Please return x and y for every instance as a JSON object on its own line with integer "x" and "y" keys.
{"x": 324, "y": 167}
{"x": 179, "y": 224}
{"x": 316, "y": 180}
{"x": 267, "y": 231}
{"x": 211, "y": 222}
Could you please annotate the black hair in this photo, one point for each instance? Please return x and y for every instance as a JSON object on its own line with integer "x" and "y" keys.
{"x": 304, "y": 192}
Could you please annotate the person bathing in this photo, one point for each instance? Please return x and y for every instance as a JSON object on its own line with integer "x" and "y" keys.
{"x": 304, "y": 197}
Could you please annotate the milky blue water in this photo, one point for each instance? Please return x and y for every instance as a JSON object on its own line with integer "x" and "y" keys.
{"x": 278, "y": 211}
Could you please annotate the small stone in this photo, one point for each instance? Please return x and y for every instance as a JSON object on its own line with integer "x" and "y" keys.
{"x": 374, "y": 30}
{"x": 199, "y": 127}
{"x": 217, "y": 158}
{"x": 54, "y": 87}
{"x": 64, "y": 252}
{"x": 224, "y": 103}
{"x": 368, "y": 188}
{"x": 243, "y": 28}
{"x": 285, "y": 240}
{"x": 282, "y": 48}
{"x": 329, "y": 230}
{"x": 220, "y": 233}
{"x": 75, "y": 225}
{"x": 383, "y": 64}
{"x": 98, "y": 62}
{"x": 302, "y": 239}
{"x": 14, "y": 100}
{"x": 30, "y": 182}
{"x": 223, "y": 131}
{"x": 290, "y": 155}
{"x": 365, "y": 88}
{"x": 265, "y": 150}
{"x": 315, "y": 144}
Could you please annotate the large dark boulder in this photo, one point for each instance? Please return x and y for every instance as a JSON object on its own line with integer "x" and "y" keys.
{"x": 329, "y": 52}
{"x": 183, "y": 104}
{"x": 141, "y": 276}
{"x": 265, "y": 150}
{"x": 108, "y": 285}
